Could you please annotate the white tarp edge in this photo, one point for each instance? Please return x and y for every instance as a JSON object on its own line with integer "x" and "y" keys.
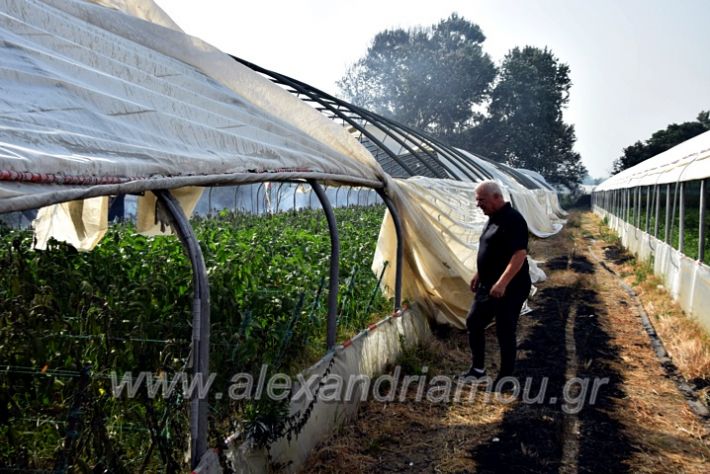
{"x": 81, "y": 224}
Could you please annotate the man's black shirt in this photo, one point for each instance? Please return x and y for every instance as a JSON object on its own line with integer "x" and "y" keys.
{"x": 505, "y": 233}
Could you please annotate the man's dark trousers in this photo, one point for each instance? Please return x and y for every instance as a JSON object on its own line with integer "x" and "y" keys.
{"x": 506, "y": 311}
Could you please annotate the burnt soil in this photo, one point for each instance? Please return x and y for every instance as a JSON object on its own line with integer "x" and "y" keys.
{"x": 583, "y": 325}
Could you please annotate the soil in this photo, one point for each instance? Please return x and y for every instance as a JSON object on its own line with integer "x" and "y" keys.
{"x": 583, "y": 325}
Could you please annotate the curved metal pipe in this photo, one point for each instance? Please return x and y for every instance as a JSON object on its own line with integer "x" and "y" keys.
{"x": 407, "y": 132}
{"x": 377, "y": 121}
{"x": 681, "y": 219}
{"x": 334, "y": 264}
{"x": 450, "y": 152}
{"x": 701, "y": 233}
{"x": 200, "y": 322}
{"x": 300, "y": 88}
{"x": 327, "y": 101}
{"x": 400, "y": 248}
{"x": 278, "y": 197}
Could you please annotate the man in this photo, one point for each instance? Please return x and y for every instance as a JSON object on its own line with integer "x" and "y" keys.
{"x": 502, "y": 282}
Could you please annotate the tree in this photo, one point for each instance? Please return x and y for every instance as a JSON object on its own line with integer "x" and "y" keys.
{"x": 429, "y": 78}
{"x": 661, "y": 141}
{"x": 524, "y": 127}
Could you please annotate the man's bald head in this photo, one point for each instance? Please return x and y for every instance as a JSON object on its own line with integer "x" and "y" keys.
{"x": 490, "y": 187}
{"x": 489, "y": 197}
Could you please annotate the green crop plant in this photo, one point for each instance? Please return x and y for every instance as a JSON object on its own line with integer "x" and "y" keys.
{"x": 70, "y": 320}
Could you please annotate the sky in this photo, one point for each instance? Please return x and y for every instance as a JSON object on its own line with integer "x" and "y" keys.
{"x": 636, "y": 65}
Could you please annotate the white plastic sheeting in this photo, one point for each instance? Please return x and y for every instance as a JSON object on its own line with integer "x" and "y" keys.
{"x": 540, "y": 206}
{"x": 687, "y": 280}
{"x": 441, "y": 227}
{"x": 82, "y": 224}
{"x": 687, "y": 161}
{"x": 546, "y": 195}
{"x": 90, "y": 96}
{"x": 543, "y": 219}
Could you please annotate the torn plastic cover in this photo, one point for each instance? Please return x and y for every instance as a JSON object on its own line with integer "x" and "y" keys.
{"x": 441, "y": 226}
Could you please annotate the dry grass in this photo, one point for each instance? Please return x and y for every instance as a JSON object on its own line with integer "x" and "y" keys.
{"x": 685, "y": 339}
{"x": 414, "y": 435}
{"x": 667, "y": 434}
{"x": 655, "y": 418}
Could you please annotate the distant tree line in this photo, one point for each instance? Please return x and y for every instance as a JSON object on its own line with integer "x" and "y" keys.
{"x": 661, "y": 141}
{"x": 439, "y": 80}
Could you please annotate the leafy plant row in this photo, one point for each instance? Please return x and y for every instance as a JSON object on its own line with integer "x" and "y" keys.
{"x": 68, "y": 320}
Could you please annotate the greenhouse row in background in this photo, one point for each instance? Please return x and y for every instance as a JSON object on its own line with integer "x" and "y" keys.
{"x": 659, "y": 208}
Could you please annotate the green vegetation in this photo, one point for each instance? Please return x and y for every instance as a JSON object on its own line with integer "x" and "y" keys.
{"x": 642, "y": 270}
{"x": 412, "y": 359}
{"x": 608, "y": 235}
{"x": 69, "y": 319}
{"x": 640, "y": 215}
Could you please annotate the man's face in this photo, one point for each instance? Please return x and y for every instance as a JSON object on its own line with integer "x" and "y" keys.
{"x": 488, "y": 202}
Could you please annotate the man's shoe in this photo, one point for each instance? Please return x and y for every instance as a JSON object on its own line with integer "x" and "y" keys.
{"x": 473, "y": 374}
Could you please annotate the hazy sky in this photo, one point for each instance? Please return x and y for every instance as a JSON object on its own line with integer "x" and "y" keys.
{"x": 636, "y": 65}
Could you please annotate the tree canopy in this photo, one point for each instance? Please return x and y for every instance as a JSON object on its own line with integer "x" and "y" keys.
{"x": 429, "y": 78}
{"x": 524, "y": 126}
{"x": 661, "y": 141}
{"x": 438, "y": 79}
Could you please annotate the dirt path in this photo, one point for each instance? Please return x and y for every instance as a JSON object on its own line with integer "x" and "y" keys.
{"x": 622, "y": 415}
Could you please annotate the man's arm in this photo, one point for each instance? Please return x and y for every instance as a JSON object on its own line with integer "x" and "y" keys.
{"x": 514, "y": 266}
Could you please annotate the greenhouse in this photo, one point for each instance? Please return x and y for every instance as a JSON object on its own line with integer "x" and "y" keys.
{"x": 104, "y": 102}
{"x": 659, "y": 209}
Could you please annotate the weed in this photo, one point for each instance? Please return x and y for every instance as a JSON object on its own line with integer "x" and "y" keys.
{"x": 413, "y": 358}
{"x": 642, "y": 270}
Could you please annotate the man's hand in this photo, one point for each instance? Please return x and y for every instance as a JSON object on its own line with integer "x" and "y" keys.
{"x": 498, "y": 290}
{"x": 514, "y": 266}
{"x": 474, "y": 282}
